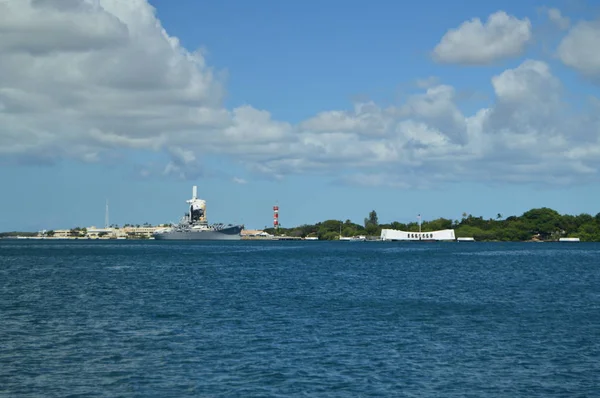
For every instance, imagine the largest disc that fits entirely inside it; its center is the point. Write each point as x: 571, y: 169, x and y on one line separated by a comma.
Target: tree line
x: 543, y: 224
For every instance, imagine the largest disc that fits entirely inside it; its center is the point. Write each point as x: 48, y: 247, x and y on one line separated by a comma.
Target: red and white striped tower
x: 276, y: 217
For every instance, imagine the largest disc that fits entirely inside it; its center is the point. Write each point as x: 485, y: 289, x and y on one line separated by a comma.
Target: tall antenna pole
x: 419, y: 217
x: 106, y: 216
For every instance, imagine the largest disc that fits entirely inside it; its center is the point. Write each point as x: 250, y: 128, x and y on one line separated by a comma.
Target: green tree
x: 548, y: 223
x: 372, y: 219
x: 542, y: 221
x: 372, y: 229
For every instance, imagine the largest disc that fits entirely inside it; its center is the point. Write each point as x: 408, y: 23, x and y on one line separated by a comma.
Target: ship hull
x: 232, y: 233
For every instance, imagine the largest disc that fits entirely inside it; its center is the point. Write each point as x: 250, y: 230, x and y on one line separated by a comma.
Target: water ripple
x: 280, y: 319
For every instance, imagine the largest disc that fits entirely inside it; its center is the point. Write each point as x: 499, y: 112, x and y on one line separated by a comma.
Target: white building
x: 466, y: 239
x: 255, y: 234
x: 94, y: 233
x: 397, y: 235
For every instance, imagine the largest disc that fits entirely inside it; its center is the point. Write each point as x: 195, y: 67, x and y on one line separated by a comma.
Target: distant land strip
x: 540, y: 224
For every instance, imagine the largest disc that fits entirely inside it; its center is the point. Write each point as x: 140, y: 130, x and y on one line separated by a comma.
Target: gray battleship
x: 194, y: 225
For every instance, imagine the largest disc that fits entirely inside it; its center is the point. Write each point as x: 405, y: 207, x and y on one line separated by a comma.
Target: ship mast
x: 106, y: 216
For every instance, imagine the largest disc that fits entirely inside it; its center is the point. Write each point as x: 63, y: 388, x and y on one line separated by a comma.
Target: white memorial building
x: 397, y: 235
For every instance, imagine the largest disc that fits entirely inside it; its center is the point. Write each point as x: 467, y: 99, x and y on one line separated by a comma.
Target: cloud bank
x: 86, y: 80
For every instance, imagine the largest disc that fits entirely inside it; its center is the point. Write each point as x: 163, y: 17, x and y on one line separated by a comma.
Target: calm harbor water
x: 282, y: 319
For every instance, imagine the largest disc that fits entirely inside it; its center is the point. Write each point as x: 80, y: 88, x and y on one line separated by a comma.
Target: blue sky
x: 329, y: 109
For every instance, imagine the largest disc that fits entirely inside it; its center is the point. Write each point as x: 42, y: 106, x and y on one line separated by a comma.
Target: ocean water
x: 287, y: 319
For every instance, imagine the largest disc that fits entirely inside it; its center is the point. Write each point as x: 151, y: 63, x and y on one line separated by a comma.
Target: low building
x: 61, y: 233
x: 256, y: 234
x: 145, y: 231
x: 358, y: 238
x: 98, y: 233
x: 94, y: 232
x: 569, y: 240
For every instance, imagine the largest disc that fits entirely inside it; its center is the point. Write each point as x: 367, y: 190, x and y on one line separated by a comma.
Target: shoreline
x: 290, y: 238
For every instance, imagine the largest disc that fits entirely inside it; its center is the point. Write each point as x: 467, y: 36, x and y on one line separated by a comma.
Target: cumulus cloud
x: 83, y: 78
x: 366, y: 118
x: 125, y: 84
x: 474, y: 43
x: 578, y: 48
x: 437, y: 107
x: 527, y: 135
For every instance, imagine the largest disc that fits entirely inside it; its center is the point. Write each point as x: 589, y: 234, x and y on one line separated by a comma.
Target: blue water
x: 282, y: 319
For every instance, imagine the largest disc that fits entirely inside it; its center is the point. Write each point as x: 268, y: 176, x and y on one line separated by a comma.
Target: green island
x: 540, y: 224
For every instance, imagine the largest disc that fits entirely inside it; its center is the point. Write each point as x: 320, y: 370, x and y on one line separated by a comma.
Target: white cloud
x: 125, y: 84
x: 82, y: 78
x: 531, y: 81
x: 578, y: 49
x: 558, y: 19
x: 366, y: 119
x: 238, y: 180
x: 66, y: 26
x: 528, y: 135
x: 474, y: 43
x: 438, y: 108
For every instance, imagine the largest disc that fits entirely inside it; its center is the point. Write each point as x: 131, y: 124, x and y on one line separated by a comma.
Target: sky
x: 329, y: 109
